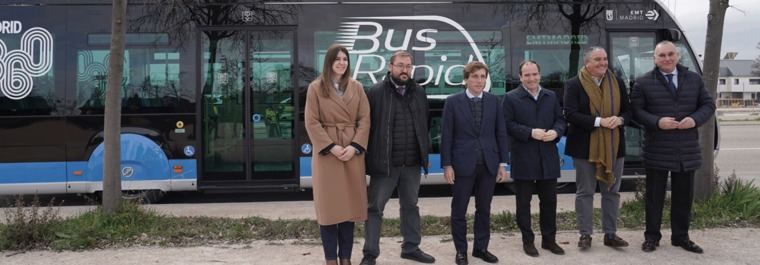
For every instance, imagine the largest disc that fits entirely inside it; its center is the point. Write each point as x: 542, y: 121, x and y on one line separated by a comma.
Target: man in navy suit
x: 473, y: 155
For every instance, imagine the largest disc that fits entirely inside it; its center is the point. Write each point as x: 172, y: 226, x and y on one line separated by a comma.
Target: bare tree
x: 179, y: 18
x: 579, y: 14
x: 704, y: 181
x: 112, y: 118
x: 756, y: 64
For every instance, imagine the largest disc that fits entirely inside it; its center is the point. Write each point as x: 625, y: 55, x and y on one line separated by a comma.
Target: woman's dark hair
x: 325, y: 78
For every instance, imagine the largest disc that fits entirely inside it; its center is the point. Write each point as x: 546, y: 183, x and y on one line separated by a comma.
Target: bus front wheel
x: 142, y: 196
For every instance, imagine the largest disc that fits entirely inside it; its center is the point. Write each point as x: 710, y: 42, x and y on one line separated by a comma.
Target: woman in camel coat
x: 337, y: 121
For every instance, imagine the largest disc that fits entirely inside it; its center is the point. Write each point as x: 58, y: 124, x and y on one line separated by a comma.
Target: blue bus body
x: 213, y: 94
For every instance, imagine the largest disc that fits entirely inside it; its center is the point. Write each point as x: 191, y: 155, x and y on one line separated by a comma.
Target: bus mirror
x: 671, y: 34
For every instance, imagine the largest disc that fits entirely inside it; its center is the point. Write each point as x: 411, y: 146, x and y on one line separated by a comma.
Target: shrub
x: 28, y: 226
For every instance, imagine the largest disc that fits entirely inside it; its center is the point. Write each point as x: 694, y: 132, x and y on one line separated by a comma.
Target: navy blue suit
x: 459, y: 149
x: 458, y: 136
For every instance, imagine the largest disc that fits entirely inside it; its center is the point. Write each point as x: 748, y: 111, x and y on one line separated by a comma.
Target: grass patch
x: 736, y: 203
x: 28, y: 227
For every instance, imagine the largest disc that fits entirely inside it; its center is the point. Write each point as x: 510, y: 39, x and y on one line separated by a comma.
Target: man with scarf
x: 396, y: 152
x: 596, y: 108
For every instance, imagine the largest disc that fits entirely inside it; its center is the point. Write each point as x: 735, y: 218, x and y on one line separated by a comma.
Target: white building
x: 737, y: 86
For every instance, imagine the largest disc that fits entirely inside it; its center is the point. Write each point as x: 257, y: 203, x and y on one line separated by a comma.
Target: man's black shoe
x: 461, y: 258
x: 530, y: 249
x: 688, y: 245
x: 485, y: 255
x: 553, y: 247
x: 368, y: 260
x: 650, y: 245
x: 418, y: 256
x: 612, y: 240
x: 585, y: 242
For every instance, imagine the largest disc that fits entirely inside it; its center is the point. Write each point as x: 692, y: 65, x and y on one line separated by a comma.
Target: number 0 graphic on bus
x: 17, y: 67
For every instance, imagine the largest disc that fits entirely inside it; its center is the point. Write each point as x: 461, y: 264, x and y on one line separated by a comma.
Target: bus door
x: 247, y: 112
x: 631, y: 54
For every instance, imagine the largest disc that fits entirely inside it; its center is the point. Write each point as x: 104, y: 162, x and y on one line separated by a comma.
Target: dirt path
x: 722, y: 246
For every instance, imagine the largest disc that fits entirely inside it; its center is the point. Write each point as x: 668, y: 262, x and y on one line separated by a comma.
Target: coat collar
x: 410, y: 85
x: 346, y: 98
x: 680, y: 68
x: 657, y: 75
x: 523, y: 92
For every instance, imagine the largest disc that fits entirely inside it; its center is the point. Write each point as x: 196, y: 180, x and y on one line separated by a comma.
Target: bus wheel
x: 142, y: 196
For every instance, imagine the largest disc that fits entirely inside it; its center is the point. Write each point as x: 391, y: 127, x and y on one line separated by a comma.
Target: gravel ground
x: 722, y: 246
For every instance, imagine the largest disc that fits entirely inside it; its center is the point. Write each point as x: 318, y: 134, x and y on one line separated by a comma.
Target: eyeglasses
x: 408, y: 66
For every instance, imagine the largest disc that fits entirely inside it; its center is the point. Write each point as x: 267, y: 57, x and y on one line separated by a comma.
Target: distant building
x: 737, y: 86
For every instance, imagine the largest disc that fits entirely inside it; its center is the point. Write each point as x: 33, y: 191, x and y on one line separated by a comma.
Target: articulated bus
x: 213, y: 91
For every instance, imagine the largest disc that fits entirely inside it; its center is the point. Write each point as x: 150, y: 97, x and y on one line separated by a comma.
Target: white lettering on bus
x: 10, y: 27
x: 372, y: 32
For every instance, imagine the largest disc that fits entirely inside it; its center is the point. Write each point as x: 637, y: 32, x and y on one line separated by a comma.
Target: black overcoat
x: 674, y: 150
x: 532, y: 159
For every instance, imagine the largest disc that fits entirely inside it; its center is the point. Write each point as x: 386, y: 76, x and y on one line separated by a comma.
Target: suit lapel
x: 464, y: 109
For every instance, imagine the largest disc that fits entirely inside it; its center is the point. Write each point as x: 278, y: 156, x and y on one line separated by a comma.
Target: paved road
x: 740, y: 151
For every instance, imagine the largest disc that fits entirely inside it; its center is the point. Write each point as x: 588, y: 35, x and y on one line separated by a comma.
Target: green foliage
x: 28, y: 226
x: 735, y: 204
x: 97, y: 229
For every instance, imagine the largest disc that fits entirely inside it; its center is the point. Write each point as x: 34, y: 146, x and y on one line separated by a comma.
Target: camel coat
x: 340, y: 188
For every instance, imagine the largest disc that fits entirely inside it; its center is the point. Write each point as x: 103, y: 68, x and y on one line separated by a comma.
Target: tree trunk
x: 112, y: 119
x: 575, y: 49
x: 704, y: 182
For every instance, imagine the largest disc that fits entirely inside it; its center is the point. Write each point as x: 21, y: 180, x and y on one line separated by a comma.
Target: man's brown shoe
x: 688, y: 245
x: 552, y: 247
x: 650, y: 245
x: 530, y: 249
x: 612, y: 240
x: 585, y: 242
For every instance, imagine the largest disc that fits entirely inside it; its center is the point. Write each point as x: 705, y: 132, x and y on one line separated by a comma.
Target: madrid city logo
x: 364, y: 36
x: 34, y: 58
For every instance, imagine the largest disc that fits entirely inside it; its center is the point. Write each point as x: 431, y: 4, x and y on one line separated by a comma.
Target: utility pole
x: 112, y: 118
x: 705, y: 176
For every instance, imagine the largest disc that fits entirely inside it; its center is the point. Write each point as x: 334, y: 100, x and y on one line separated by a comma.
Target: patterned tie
x: 401, y: 90
x: 476, y: 105
x: 671, y: 85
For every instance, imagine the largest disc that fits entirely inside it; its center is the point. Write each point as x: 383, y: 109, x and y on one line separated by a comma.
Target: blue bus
x: 213, y: 91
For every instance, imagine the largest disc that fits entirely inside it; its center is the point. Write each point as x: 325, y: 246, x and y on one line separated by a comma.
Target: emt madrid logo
x: 363, y: 36
x: 34, y: 58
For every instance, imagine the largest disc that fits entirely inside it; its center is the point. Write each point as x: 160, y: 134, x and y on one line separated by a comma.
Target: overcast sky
x: 741, y: 32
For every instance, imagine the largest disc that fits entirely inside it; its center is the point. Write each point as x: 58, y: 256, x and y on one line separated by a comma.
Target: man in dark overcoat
x: 535, y: 124
x: 671, y: 102
x: 399, y: 142
x: 596, y: 109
